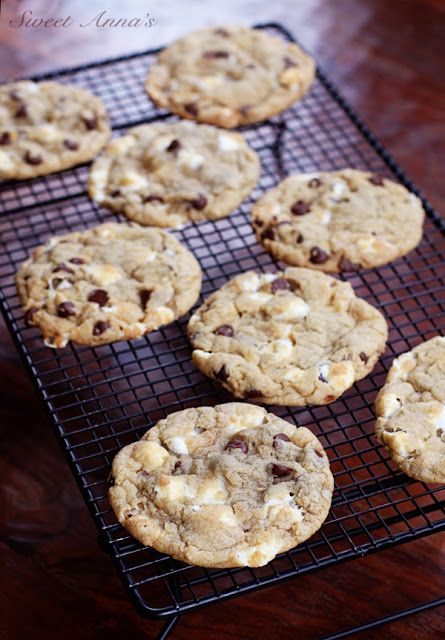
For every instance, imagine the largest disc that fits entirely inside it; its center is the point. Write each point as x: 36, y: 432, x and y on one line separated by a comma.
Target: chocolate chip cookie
x: 170, y: 174
x: 338, y: 221
x: 112, y: 282
x: 293, y: 338
x: 47, y: 127
x: 224, y: 486
x: 230, y: 76
x: 411, y: 411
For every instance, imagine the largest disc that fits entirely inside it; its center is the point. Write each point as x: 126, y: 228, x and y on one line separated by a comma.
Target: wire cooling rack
x: 100, y: 399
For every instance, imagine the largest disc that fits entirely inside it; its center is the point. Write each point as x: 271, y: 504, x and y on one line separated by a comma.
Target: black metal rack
x: 100, y: 399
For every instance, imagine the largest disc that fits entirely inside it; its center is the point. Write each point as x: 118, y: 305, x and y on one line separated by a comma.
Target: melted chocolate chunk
x: 254, y: 393
x: 76, y: 260
x: 91, y: 123
x: 62, y: 267
x: 33, y: 158
x: 238, y: 444
x: 145, y: 295
x: 319, y: 453
x: 258, y: 222
x: 347, y: 265
x: 5, y: 138
x: 299, y: 238
x: 300, y: 208
x: 199, y: 203
x: 22, y: 111
x: 279, y: 470
x: 177, y: 466
x: 116, y: 193
x: 29, y: 315
x: 318, y: 256
x: 363, y: 357
x: 100, y: 327
x: 222, y: 374
x: 153, y: 198
x: 70, y: 144
x: 214, y: 55
x: 192, y: 108
x: 99, y: 296
x: 222, y: 32
x: 66, y: 309
x: 376, y: 180
x: 268, y: 234
x: 280, y: 437
x: 244, y: 109
x: 224, y: 330
x: 315, y: 182
x: 174, y: 146
x: 280, y: 284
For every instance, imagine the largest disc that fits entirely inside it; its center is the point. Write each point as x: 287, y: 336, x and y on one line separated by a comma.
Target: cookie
x: 338, y: 221
x: 170, y: 174
x: 112, y: 282
x: 47, y: 127
x: 410, y: 411
x: 298, y: 337
x: 230, y: 76
x: 224, y: 486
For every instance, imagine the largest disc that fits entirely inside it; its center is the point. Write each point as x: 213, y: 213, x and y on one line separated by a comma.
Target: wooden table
x: 389, y: 60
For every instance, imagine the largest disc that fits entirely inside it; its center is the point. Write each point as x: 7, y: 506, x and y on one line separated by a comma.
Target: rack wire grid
x: 100, y: 399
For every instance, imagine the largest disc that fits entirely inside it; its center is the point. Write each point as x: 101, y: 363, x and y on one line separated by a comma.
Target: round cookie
x: 294, y: 338
x: 223, y: 486
x: 230, y: 76
x: 170, y: 174
x: 411, y: 411
x: 112, y: 282
x: 338, y: 221
x: 47, y: 127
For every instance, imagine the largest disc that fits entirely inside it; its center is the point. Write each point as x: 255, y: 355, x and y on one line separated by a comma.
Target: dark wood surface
x: 389, y: 60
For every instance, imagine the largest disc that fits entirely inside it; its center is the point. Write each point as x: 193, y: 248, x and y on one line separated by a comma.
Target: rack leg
x: 167, y: 629
x: 390, y: 618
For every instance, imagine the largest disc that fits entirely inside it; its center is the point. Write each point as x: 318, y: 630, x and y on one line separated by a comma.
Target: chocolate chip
x: 279, y: 470
x: 280, y: 437
x: 318, y: 453
x: 258, y: 222
x: 145, y: 295
x: 177, y: 465
x: 224, y: 330
x: 66, y: 309
x: 300, y: 208
x: 209, y: 55
x: 376, y: 180
x: 254, y: 393
x: 62, y: 267
x: 76, y: 260
x: 153, y: 198
x: 299, y: 238
x: 100, y: 296
x: 33, y: 158
x: 115, y: 193
x: 174, y: 146
x: 268, y: 234
x: 22, y: 111
x: 5, y: 138
x: 29, y: 315
x: 290, y: 62
x: 199, y: 203
x: 191, y: 108
x: 222, y: 374
x: 363, y: 357
x: 347, y: 265
x: 315, y: 182
x: 90, y: 123
x: 71, y: 145
x: 318, y: 256
x: 238, y: 444
x: 100, y: 327
x: 280, y: 284
x: 222, y: 32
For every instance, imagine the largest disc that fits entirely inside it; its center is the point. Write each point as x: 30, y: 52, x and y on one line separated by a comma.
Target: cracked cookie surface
x: 223, y: 486
x: 111, y: 282
x: 230, y: 76
x: 338, y: 221
x: 296, y: 337
x: 411, y: 411
x: 48, y: 126
x: 170, y: 174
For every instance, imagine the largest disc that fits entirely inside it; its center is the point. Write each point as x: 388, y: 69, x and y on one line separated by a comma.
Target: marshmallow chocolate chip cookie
x: 224, y: 486
x: 47, y: 127
x: 112, y: 282
x: 338, y: 221
x: 230, y: 76
x: 411, y: 411
x: 293, y: 338
x: 170, y: 174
